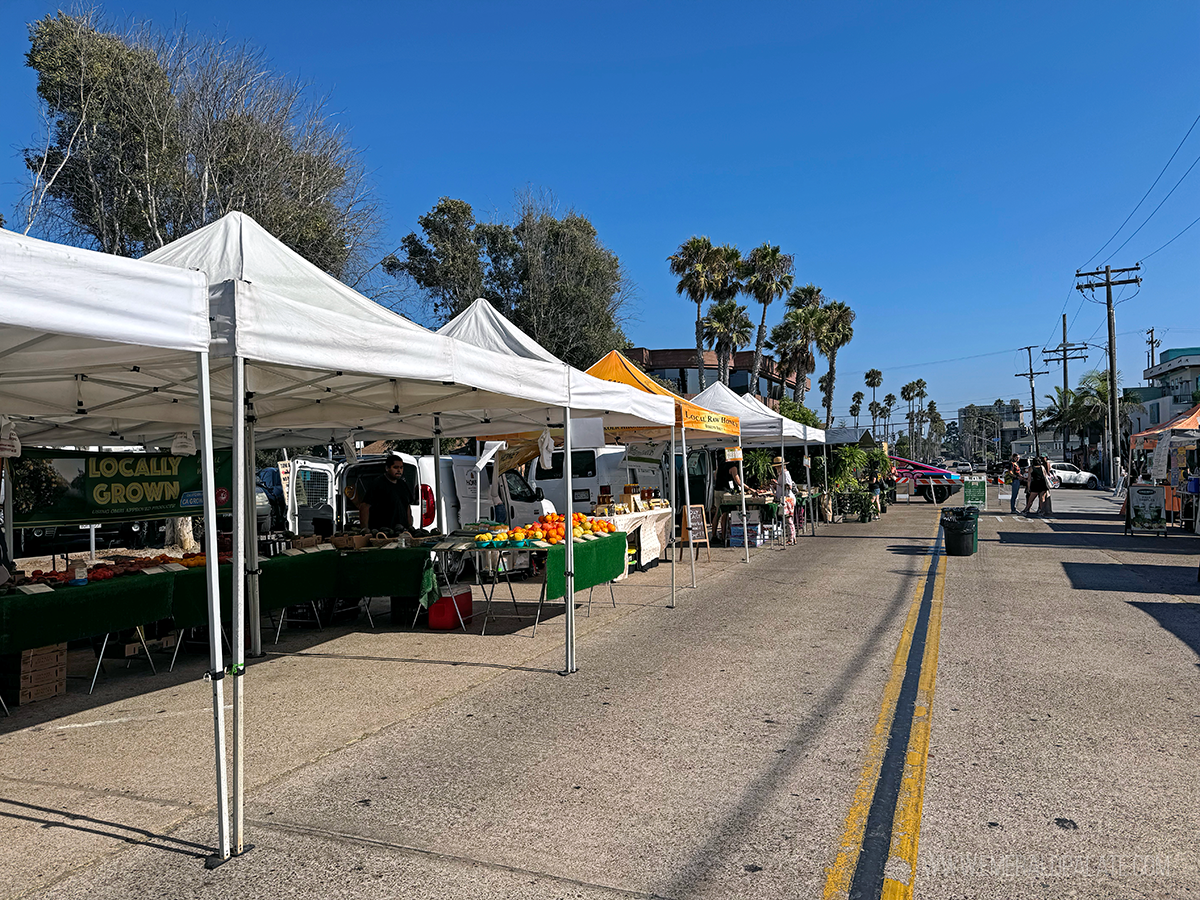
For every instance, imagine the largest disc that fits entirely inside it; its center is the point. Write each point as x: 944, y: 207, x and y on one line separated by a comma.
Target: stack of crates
x: 33, y: 675
x: 751, y: 530
x: 740, y: 535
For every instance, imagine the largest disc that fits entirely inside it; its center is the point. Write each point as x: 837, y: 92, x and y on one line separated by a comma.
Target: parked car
x: 965, y: 468
x: 1069, y: 474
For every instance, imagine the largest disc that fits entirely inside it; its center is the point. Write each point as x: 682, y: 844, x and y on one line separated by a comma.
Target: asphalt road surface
x: 856, y: 716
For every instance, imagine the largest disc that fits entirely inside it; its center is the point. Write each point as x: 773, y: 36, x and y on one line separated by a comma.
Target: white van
x: 510, y: 500
x: 613, y: 466
x: 315, y: 489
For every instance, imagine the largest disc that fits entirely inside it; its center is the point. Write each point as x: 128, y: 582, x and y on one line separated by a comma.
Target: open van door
x: 309, y: 486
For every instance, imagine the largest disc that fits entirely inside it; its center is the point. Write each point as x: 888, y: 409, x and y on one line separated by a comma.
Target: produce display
x: 549, y: 529
x: 104, y: 571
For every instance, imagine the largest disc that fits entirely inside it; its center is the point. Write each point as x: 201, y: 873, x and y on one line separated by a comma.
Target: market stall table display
x: 646, y: 531
x: 71, y: 613
x: 598, y: 561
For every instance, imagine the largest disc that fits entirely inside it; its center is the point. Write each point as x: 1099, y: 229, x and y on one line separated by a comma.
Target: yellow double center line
x: 877, y: 857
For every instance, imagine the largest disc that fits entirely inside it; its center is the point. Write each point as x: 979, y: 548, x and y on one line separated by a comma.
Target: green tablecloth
x: 189, y: 600
x: 596, y: 562
x: 403, y: 572
x: 288, y: 580
x: 72, y: 613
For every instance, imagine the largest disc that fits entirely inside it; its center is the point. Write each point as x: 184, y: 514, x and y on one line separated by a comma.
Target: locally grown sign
x: 65, y: 487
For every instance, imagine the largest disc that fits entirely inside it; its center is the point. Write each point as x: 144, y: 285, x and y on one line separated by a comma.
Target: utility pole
x: 1037, y: 451
x: 1113, y: 411
x: 1154, y: 345
x: 1062, y: 353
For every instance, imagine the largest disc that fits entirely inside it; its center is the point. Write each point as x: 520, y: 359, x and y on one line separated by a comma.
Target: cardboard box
x: 752, y: 517
x: 33, y: 675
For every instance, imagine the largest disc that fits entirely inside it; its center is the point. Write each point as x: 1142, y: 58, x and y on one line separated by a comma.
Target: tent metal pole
x: 826, y: 475
x: 437, y: 476
x: 9, y: 528
x: 569, y: 549
x: 742, y: 478
x: 782, y: 470
x: 216, y: 669
x: 252, y: 596
x: 674, y: 509
x: 808, y: 500
x: 237, y: 653
x: 687, y: 503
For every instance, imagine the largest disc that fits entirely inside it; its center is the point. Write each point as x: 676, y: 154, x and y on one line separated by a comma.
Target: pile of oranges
x: 552, y: 528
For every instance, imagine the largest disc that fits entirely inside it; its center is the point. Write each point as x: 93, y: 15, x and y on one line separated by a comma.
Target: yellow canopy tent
x: 688, y: 416
x: 702, y: 423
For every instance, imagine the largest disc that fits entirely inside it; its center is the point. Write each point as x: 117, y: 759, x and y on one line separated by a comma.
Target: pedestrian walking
x: 1014, y: 472
x: 1037, y: 484
x: 1044, y: 504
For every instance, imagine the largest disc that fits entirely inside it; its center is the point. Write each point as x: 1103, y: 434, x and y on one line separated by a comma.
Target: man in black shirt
x: 388, y: 503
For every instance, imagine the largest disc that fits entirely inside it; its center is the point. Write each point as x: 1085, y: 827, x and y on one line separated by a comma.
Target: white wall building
x: 1176, y: 377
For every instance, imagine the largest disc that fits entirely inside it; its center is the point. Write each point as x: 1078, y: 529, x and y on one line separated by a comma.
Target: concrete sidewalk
x: 698, y: 750
x: 711, y: 751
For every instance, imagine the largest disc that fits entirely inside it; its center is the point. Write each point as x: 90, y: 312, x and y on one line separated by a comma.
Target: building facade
x: 678, y: 367
x: 1174, y: 381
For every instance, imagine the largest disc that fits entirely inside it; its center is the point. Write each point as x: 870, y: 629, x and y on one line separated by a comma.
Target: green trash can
x: 960, y: 525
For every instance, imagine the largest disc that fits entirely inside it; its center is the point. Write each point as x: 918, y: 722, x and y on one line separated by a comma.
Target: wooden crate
x: 42, y: 692
x: 36, y: 678
x: 33, y: 675
x: 29, y: 660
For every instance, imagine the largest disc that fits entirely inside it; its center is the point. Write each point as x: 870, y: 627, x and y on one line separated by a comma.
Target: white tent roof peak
x: 483, y: 325
x: 760, y: 424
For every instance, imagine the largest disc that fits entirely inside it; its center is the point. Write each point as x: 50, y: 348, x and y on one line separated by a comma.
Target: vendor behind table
x: 388, y: 503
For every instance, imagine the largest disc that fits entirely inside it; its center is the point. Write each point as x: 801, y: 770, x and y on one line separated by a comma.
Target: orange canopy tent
x: 701, y: 423
x: 1148, y: 439
x: 688, y: 416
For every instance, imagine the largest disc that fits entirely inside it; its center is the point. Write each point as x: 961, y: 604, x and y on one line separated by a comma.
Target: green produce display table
x: 403, y: 572
x: 189, y: 601
x: 596, y: 562
x: 288, y: 580
x: 73, y: 613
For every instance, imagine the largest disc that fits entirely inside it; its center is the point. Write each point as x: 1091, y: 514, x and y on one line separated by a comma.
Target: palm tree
x: 907, y: 394
x: 805, y: 297
x: 919, y: 393
x: 1068, y: 410
x: 873, y: 379
x: 837, y: 330
x: 691, y: 265
x: 728, y: 329
x: 767, y: 275
x: 889, y: 403
x: 793, y: 339
x: 875, y: 408
x: 856, y: 406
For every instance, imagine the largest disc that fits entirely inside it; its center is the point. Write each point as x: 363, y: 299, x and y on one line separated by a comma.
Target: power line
x: 1172, y: 240
x: 1156, y: 209
x: 1145, y: 195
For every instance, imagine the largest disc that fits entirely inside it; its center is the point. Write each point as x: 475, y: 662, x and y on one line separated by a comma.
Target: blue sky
x: 942, y: 168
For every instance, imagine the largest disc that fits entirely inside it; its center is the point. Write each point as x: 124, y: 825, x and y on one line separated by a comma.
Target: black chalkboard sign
x: 695, y: 525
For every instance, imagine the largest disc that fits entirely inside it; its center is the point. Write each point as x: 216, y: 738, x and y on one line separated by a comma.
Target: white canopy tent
x: 86, y: 338
x: 761, y: 427
x: 619, y: 405
x: 310, y: 359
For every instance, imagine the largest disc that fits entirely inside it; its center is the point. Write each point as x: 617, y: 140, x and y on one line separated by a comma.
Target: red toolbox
x: 442, y: 614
